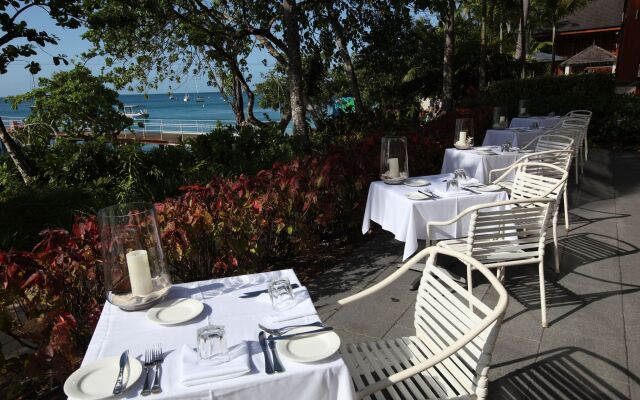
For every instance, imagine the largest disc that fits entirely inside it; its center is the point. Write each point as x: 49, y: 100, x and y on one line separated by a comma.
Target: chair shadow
x: 561, y: 374
x: 577, y: 221
x: 584, y: 248
x: 575, y: 251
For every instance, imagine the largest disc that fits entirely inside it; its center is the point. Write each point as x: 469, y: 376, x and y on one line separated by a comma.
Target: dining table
x: 542, y: 121
x: 390, y: 206
x: 477, y: 163
x: 234, y: 303
x: 518, y: 137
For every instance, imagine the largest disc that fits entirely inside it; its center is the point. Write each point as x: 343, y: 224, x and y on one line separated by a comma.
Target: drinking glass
x: 212, y: 344
x: 506, y: 146
x: 453, y: 185
x: 460, y: 174
x: 281, y: 294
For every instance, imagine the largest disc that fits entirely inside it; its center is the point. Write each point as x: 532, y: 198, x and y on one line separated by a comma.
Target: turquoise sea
x: 160, y: 106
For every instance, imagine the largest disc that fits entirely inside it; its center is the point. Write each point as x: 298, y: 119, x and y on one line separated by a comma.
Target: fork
x: 148, y: 364
x: 157, y: 359
x: 285, y: 329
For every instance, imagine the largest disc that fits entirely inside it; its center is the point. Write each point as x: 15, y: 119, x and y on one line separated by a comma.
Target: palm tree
x: 557, y: 9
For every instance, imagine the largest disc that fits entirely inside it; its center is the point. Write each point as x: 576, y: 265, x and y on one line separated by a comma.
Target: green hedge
x: 616, y: 118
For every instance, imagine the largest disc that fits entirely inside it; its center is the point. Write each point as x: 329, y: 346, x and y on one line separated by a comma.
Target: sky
x: 18, y: 80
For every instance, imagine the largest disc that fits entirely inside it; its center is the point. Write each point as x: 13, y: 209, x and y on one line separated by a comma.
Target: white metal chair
x: 577, y: 134
x: 503, y: 234
x: 539, y: 179
x: 549, y: 142
x: 586, y: 114
x: 450, y: 353
x: 559, y: 158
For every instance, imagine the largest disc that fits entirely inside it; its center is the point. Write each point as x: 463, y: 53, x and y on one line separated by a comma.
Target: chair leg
x: 586, y: 148
x: 555, y: 240
x: 543, y: 300
x: 577, y: 167
x: 566, y: 211
x: 469, y: 284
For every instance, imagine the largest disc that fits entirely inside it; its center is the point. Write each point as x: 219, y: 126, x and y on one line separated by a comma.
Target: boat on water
x: 199, y: 99
x: 186, y: 97
x: 135, y: 111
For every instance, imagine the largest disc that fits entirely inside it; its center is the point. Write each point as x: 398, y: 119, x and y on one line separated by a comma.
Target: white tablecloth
x: 407, y: 219
x: 118, y: 330
x: 518, y: 136
x: 543, y: 122
x: 477, y: 165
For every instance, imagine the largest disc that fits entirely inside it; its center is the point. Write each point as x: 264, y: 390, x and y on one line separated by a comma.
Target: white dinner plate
x: 96, y: 380
x: 488, y: 188
x: 310, y: 348
x: 416, y: 182
x: 175, y: 311
x: 417, y: 196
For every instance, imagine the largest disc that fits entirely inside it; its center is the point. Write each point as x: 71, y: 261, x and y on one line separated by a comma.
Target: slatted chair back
x: 537, y: 179
x: 512, y: 236
x: 450, y: 354
x: 573, y: 132
x: 443, y: 317
x: 559, y: 158
x: 580, y: 113
x: 549, y: 142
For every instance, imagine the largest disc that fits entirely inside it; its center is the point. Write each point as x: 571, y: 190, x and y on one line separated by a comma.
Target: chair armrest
x: 449, y: 222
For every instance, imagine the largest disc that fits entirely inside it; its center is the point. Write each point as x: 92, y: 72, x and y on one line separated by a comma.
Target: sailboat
x: 170, y: 95
x: 186, y: 97
x: 199, y: 99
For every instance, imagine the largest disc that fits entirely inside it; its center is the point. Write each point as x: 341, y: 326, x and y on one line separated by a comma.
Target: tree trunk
x: 522, y: 38
x: 482, y: 73
x: 347, y: 63
x: 553, y: 46
x: 238, y: 102
x: 448, y: 21
x: 296, y: 87
x: 16, y: 154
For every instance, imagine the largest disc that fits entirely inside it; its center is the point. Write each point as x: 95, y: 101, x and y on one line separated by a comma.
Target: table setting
x: 478, y: 162
x: 405, y: 210
x: 249, y: 336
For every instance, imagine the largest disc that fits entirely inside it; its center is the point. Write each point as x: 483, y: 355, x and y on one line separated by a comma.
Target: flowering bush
x: 51, y: 297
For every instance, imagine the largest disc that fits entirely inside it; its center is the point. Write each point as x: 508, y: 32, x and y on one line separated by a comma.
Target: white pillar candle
x: 394, y: 168
x: 139, y: 272
x: 523, y: 111
x: 462, y: 138
x: 503, y: 119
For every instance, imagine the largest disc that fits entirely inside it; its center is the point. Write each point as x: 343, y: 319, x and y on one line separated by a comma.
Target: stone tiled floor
x: 591, y: 349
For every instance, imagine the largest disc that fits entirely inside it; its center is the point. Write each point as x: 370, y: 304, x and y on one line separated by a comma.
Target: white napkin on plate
x: 195, y: 372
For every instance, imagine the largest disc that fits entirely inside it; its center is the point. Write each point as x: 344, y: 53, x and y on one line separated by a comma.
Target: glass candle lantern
x: 463, y: 138
x: 523, y: 108
x: 394, y: 161
x: 500, y: 118
x: 135, y: 270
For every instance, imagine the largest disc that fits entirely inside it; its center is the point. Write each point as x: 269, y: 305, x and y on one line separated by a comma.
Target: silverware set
x: 153, y: 359
x: 429, y: 194
x: 272, y: 363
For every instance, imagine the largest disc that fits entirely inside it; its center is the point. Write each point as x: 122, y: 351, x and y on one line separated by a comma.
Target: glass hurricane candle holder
x: 500, y: 118
x: 463, y: 138
x: 523, y: 108
x: 135, y: 269
x: 394, y: 161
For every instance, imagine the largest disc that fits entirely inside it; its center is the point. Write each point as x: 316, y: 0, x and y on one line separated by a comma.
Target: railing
x: 147, y: 126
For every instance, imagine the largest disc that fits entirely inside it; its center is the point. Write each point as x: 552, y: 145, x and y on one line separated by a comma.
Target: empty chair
x: 580, y: 123
x: 577, y: 134
x: 504, y: 234
x: 539, y: 179
x: 586, y: 114
x: 559, y: 158
x: 449, y: 355
x: 549, y: 142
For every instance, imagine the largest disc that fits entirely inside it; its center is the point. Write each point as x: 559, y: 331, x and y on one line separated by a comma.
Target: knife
x: 289, y: 336
x: 276, y: 360
x: 267, y: 358
x: 124, y: 360
x: 470, y: 190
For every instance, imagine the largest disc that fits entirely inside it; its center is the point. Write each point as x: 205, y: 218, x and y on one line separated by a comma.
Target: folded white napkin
x: 195, y: 372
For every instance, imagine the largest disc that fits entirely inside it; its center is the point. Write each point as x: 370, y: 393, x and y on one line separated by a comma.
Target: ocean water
x: 160, y: 106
